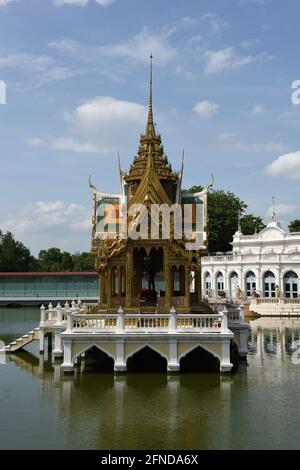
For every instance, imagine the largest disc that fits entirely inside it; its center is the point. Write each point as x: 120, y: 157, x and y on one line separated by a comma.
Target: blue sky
x: 77, y: 82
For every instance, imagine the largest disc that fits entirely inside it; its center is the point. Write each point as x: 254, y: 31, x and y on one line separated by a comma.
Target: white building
x: 266, y: 265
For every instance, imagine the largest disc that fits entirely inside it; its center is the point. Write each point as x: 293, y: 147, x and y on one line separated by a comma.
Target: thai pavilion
x: 140, y: 273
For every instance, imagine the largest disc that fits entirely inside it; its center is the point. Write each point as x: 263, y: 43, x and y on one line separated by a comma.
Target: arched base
x: 97, y: 361
x: 199, y: 360
x: 146, y: 360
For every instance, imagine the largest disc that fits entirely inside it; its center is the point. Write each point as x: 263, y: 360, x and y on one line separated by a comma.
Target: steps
x: 23, y: 341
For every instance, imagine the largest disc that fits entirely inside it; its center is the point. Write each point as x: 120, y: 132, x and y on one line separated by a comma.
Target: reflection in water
x: 155, y: 410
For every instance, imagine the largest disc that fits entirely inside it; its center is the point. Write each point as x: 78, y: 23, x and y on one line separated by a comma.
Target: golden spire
x: 150, y: 130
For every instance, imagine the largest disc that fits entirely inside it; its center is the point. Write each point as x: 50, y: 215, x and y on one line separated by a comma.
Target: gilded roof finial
x: 150, y: 130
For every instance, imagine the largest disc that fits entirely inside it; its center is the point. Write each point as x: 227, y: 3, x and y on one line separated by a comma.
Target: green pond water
x: 256, y: 408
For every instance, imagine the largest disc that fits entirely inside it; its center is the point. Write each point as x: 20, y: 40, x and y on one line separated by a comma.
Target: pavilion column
x: 198, y: 282
x: 120, y: 282
x: 129, y: 275
x: 109, y: 286
x: 102, y: 287
x: 187, y: 287
x: 181, y: 281
x: 167, y: 275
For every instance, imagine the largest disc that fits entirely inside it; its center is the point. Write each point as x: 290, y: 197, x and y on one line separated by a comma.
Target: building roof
x: 19, y: 274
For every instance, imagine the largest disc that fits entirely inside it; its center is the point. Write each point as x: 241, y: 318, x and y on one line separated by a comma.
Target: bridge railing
x: 134, y: 323
x: 74, y: 318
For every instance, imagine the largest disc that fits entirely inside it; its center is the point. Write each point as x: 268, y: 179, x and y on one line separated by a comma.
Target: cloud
x: 287, y: 165
x: 3, y: 3
x: 53, y: 223
x: 257, y: 109
x: 282, y: 209
x: 40, y: 216
x: 237, y: 144
x: 81, y: 3
x: 39, y: 69
x: 206, y: 109
x: 99, y: 125
x: 136, y: 49
x: 229, y: 59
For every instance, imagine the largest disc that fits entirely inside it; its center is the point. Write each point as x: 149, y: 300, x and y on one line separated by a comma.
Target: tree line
x: 225, y: 212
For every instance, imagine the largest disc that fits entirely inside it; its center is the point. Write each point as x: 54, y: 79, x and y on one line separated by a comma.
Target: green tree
x: 14, y: 256
x: 83, y: 262
x: 251, y: 224
x: 53, y: 260
x: 223, y: 210
x: 294, y: 226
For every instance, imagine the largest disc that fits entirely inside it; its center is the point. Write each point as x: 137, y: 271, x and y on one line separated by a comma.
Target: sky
x: 76, y: 75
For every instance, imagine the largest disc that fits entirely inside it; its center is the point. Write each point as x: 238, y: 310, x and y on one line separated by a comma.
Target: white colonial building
x: 265, y: 265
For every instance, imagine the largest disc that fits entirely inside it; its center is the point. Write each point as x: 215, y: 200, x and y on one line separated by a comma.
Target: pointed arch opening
x: 97, y: 360
x: 199, y: 360
x: 146, y: 360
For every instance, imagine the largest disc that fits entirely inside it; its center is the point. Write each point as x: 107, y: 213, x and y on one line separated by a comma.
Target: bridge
x: 36, y: 288
x: 121, y: 336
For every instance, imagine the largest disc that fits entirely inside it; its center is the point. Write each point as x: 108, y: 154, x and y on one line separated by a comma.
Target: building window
x: 220, y: 284
x: 269, y: 285
x: 208, y: 284
x: 291, y: 285
x: 234, y: 282
x: 250, y: 284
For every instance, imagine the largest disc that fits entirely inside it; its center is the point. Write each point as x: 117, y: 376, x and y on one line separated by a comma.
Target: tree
x: 294, y: 226
x: 83, y: 262
x: 223, y: 210
x: 251, y: 224
x: 53, y: 260
x: 14, y: 256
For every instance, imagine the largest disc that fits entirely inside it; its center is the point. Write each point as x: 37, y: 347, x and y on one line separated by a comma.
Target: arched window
x: 250, y: 283
x: 220, y: 283
x: 291, y: 285
x: 208, y: 284
x: 234, y: 281
x: 269, y: 284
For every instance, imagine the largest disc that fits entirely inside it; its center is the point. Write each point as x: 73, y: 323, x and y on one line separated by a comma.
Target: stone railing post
x: 120, y: 321
x: 58, y: 314
x: 50, y: 312
x: 242, y: 313
x: 43, y: 315
x: 225, y: 320
x: 69, y: 321
x: 173, y: 320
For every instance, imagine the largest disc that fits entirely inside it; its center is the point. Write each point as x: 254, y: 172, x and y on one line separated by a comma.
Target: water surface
x: 258, y: 407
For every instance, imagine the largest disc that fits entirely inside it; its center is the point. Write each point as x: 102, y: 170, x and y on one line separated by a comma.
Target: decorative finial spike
x: 150, y: 131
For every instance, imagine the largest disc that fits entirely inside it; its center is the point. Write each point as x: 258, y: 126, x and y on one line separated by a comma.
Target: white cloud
x: 99, y: 125
x: 258, y: 109
x: 40, y: 216
x: 206, y: 109
x: 3, y: 3
x: 237, y: 144
x: 55, y: 223
x: 81, y: 3
x: 136, y: 49
x: 282, y: 209
x: 229, y: 59
x: 38, y: 69
x: 70, y: 144
x: 286, y: 165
